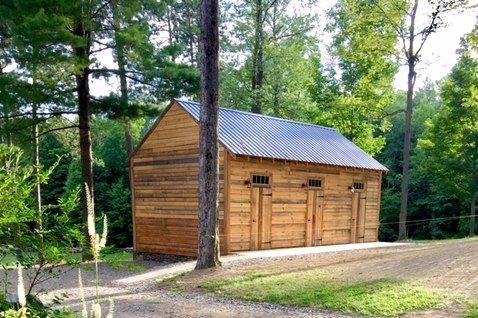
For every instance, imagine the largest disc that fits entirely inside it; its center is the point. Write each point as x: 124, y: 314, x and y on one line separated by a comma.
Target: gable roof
x: 249, y: 134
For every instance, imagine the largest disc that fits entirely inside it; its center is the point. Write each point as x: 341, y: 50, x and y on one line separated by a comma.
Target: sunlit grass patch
x: 171, y: 278
x: 313, y: 289
x: 472, y: 311
x: 122, y: 260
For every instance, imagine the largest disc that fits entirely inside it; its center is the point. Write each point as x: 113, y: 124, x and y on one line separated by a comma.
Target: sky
x: 439, y: 52
x: 438, y: 55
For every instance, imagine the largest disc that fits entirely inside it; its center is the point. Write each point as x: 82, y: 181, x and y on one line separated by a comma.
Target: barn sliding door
x: 314, y: 217
x: 261, y: 217
x: 357, y: 230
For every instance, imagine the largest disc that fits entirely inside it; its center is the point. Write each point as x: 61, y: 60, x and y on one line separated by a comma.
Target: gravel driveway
x: 146, y: 298
x: 450, y: 265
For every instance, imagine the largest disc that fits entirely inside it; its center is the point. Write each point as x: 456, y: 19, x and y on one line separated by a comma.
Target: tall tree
x: 451, y: 139
x: 74, y: 34
x: 182, y: 27
x: 364, y: 49
x: 277, y: 44
x: 208, y: 248
x: 119, y: 51
x: 413, y: 39
x: 259, y: 11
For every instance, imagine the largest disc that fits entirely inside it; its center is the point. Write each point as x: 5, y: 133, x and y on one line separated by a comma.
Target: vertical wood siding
x: 290, y: 225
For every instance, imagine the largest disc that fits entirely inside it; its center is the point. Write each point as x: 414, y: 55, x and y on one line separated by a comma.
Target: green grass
x: 472, y: 311
x: 121, y: 260
x: 313, y: 289
x: 171, y: 278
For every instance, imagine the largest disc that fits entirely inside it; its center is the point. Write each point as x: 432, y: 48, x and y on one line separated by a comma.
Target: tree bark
x: 208, y: 248
x: 170, y: 31
x: 84, y: 114
x: 411, y: 60
x: 473, y: 214
x: 191, y: 37
x: 120, y: 59
x: 36, y: 149
x: 258, y: 58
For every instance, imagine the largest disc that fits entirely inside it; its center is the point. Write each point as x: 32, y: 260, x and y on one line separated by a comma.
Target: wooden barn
x: 282, y: 184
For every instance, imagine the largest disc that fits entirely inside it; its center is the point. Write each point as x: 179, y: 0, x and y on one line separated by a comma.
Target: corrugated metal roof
x: 249, y: 134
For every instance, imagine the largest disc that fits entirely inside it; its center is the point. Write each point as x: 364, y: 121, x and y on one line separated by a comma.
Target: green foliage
x: 38, y: 241
x: 312, y: 288
x: 423, y: 202
x: 19, y: 230
x: 444, y: 162
x: 119, y: 212
x: 450, y: 141
x: 16, y: 187
x: 288, y: 68
x: 35, y: 309
x: 364, y: 46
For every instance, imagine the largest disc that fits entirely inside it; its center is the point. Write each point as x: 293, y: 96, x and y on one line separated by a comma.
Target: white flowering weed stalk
x: 97, y: 243
x: 22, y: 299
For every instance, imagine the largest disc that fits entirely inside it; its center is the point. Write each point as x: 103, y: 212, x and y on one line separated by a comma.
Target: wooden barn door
x: 357, y: 230
x: 314, y: 217
x: 261, y: 217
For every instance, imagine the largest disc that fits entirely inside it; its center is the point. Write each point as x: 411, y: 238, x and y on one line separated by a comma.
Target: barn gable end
x: 165, y: 170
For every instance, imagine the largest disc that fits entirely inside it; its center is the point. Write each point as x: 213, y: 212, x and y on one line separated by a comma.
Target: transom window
x: 260, y: 180
x: 359, y: 185
x: 315, y: 183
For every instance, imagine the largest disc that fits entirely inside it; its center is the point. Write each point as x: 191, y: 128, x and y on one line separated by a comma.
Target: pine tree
x: 208, y: 250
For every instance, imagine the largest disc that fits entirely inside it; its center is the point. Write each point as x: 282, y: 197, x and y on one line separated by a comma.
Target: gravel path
x: 449, y: 265
x: 147, y: 299
x: 254, y: 256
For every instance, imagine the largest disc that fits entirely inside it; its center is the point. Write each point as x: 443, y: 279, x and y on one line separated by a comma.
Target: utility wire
x: 431, y: 219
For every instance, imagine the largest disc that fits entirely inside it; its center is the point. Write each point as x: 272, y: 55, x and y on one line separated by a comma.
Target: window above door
x: 315, y: 183
x: 359, y: 186
x: 260, y: 180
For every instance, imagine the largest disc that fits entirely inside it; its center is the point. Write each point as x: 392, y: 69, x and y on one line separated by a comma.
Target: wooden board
x: 361, y: 218
x: 165, y: 182
x: 265, y: 218
x: 261, y: 217
x: 293, y: 204
x: 311, y: 210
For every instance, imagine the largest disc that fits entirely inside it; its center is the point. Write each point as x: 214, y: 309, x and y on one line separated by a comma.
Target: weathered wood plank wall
x: 290, y: 225
x: 165, y: 173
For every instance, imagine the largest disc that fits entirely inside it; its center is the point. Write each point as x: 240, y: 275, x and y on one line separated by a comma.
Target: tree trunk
x: 258, y: 58
x: 36, y: 148
x: 191, y: 38
x: 473, y: 214
x: 170, y: 31
x: 86, y: 153
x: 208, y: 248
x: 411, y: 59
x: 120, y: 59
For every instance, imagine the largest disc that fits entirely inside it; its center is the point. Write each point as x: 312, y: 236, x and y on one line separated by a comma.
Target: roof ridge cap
x: 265, y: 116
